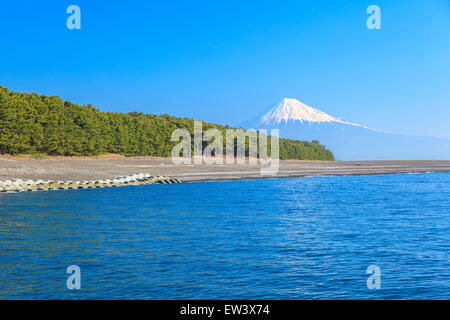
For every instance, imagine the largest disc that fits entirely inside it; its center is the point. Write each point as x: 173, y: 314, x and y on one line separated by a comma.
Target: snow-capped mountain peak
x: 347, y: 140
x: 294, y: 110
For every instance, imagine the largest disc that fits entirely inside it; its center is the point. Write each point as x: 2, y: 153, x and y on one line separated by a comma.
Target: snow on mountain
x: 293, y: 110
x: 347, y: 140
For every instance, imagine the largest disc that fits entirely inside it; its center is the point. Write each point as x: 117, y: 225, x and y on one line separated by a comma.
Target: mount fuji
x: 347, y: 140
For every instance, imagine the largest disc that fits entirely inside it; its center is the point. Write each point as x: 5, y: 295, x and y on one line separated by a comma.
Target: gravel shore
x: 109, y: 166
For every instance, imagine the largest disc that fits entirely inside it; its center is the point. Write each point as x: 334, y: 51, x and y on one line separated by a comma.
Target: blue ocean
x: 299, y: 238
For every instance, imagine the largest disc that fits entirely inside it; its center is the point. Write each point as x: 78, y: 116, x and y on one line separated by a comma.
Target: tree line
x: 32, y: 123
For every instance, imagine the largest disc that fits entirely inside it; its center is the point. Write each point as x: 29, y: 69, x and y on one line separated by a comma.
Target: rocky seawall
x: 19, y: 185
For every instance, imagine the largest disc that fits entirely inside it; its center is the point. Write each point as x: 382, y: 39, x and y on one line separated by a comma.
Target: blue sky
x: 226, y: 61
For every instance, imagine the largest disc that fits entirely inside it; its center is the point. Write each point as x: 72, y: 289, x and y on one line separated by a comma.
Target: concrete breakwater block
x: 21, y: 185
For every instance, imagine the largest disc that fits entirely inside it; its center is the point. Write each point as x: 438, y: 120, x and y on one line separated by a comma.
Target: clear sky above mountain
x: 226, y: 61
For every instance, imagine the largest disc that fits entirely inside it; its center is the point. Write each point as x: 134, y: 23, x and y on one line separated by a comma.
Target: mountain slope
x: 347, y: 140
x: 31, y: 123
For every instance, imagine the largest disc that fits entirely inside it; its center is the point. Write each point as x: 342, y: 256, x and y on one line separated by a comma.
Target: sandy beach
x: 109, y: 166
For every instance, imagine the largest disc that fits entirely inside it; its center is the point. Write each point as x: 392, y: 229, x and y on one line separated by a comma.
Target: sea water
x: 300, y: 238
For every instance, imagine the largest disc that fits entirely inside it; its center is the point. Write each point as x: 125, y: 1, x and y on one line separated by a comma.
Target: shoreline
x: 110, y: 166
x: 309, y: 176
